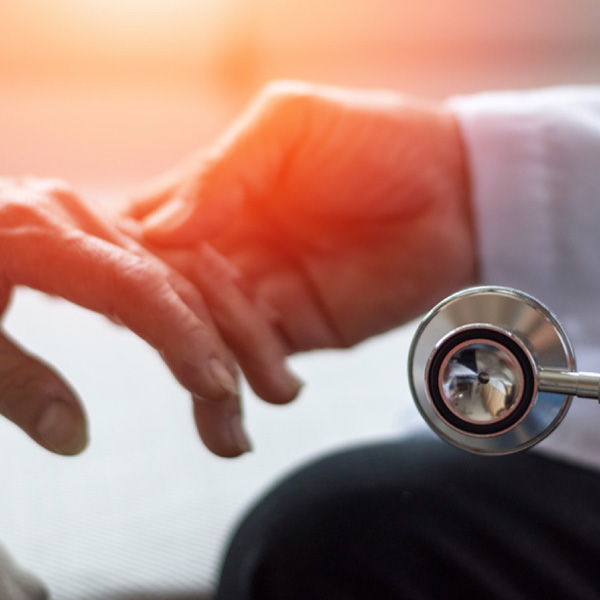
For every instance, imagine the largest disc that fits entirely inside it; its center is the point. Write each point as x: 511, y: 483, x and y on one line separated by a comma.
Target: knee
x: 303, y: 537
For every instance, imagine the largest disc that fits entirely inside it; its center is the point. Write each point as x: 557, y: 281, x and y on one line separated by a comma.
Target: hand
x: 345, y: 211
x: 51, y: 241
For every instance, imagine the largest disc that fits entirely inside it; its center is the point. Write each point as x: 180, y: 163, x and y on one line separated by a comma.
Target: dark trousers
x: 418, y: 519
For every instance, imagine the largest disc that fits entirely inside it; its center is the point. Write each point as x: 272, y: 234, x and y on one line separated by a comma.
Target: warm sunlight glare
x: 73, y: 30
x: 139, y: 14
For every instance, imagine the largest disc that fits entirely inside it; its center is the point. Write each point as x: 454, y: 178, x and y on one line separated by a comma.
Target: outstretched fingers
x: 253, y: 337
x: 143, y: 295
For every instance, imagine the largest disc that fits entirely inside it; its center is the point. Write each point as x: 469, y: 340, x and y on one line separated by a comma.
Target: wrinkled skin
x: 50, y: 240
x: 323, y: 216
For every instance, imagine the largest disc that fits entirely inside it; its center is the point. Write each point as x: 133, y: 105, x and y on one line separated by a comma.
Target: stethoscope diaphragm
x: 492, y: 371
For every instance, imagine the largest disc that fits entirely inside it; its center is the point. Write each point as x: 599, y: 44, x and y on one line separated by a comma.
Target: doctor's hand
x: 51, y: 241
x: 346, y: 212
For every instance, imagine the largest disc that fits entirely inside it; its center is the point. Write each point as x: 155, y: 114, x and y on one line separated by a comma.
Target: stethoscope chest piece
x: 479, y: 365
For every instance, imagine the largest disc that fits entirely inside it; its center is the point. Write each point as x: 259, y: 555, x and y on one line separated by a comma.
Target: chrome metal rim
x: 530, y: 325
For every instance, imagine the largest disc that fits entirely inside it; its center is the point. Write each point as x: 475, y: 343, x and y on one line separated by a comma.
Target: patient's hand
x: 346, y: 212
x: 51, y: 241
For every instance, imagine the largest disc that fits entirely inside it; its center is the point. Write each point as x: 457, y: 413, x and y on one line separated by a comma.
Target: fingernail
x: 62, y: 428
x: 222, y: 377
x: 288, y: 385
x: 295, y: 384
x: 238, y: 435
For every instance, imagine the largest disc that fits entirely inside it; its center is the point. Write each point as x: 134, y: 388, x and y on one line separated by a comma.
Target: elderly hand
x: 346, y: 212
x: 51, y: 241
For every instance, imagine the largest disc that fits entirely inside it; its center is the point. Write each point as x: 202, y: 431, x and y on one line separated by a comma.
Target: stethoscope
x: 492, y: 371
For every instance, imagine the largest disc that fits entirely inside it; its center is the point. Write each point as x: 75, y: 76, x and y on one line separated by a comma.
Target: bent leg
x: 418, y: 519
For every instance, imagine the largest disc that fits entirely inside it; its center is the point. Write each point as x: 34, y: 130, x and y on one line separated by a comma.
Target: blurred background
x: 106, y: 93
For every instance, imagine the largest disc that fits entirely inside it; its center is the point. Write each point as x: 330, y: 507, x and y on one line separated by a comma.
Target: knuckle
x: 137, y: 282
x: 31, y: 202
x: 283, y: 108
x: 284, y: 88
x: 48, y: 186
x: 21, y: 210
x: 283, y: 97
x: 62, y: 191
x: 206, y: 174
x: 133, y: 277
x: 141, y: 296
x: 57, y: 197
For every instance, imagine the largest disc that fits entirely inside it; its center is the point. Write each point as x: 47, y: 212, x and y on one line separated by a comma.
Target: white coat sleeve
x: 534, y: 164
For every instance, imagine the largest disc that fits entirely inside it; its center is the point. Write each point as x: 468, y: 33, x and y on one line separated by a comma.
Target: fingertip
x: 169, y: 222
x: 220, y: 426
x: 238, y: 433
x: 248, y: 328
x: 61, y: 428
x: 288, y: 387
x: 206, y: 378
x: 222, y: 377
x: 40, y: 402
x: 200, y: 210
x: 273, y: 382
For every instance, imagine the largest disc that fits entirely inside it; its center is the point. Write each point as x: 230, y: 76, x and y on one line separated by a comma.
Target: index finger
x: 142, y: 294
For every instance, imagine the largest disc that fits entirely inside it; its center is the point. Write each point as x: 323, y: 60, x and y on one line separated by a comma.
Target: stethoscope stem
x: 571, y: 383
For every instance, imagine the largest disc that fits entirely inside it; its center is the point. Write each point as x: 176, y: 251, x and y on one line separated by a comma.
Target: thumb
x: 38, y: 401
x: 241, y: 169
x: 197, y: 211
